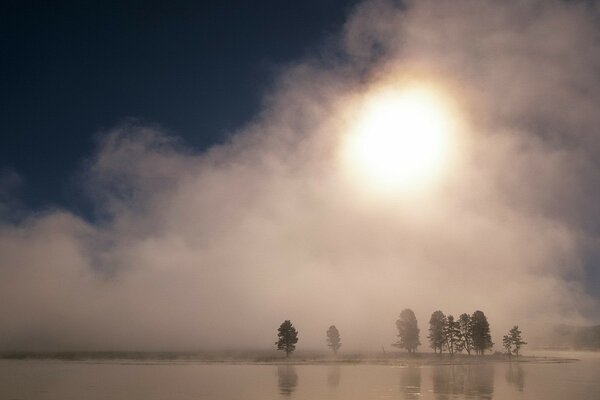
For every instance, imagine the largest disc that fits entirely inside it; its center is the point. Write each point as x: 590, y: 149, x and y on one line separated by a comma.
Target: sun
x: 401, y: 138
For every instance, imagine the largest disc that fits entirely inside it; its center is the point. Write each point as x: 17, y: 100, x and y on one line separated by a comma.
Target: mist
x: 214, y: 249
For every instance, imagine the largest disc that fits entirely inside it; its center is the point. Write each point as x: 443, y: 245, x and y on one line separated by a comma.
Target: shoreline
x: 395, y: 360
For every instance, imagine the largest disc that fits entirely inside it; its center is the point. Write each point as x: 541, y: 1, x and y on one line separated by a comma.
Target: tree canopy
x: 513, y: 341
x: 482, y: 339
x: 452, y: 337
x: 333, y: 339
x: 436, y: 331
x: 408, y: 331
x: 288, y: 337
x: 465, y: 326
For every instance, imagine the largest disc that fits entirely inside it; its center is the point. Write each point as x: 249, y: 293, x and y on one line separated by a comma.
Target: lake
x: 65, y: 380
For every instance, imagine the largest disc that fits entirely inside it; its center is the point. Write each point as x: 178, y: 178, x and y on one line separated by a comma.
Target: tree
x: 452, y: 335
x: 507, y: 344
x: 288, y: 337
x: 408, y: 331
x: 333, y: 339
x: 480, y: 331
x: 436, y: 331
x: 465, y: 327
x: 515, y: 339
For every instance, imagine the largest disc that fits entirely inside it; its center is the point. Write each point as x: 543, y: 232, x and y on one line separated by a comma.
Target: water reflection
x: 288, y: 379
x: 515, y: 376
x: 410, y: 382
x: 481, y: 381
x: 462, y: 381
x: 441, y: 382
x: 334, y: 375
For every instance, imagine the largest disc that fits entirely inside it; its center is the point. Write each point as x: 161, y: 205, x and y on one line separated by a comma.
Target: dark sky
x: 70, y: 69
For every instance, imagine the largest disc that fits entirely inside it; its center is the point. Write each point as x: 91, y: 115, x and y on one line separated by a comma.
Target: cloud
x: 214, y: 250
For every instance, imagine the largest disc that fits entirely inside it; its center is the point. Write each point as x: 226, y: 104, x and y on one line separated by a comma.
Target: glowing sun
x: 401, y: 138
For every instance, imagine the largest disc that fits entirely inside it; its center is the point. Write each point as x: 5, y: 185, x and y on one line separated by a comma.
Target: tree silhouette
x: 480, y: 328
x: 436, y: 331
x: 288, y: 337
x: 333, y: 339
x: 507, y: 344
x: 408, y: 331
x: 452, y: 335
x: 514, y: 339
x: 465, y: 327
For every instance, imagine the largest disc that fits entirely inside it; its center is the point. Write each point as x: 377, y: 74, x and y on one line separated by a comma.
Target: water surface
x: 64, y: 380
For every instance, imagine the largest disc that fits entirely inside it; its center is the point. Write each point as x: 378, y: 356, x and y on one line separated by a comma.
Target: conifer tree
x: 516, y: 339
x: 333, y: 339
x: 288, y: 337
x: 451, y: 335
x: 466, y: 332
x: 507, y: 344
x: 436, y: 331
x: 480, y: 328
x: 408, y: 331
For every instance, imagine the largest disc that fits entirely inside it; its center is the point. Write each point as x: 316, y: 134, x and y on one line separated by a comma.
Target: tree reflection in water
x: 441, y: 382
x: 516, y: 376
x: 472, y: 381
x: 410, y: 382
x: 334, y: 375
x: 288, y: 379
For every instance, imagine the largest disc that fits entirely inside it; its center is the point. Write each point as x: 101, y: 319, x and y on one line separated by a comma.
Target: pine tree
x: 288, y: 337
x: 516, y: 340
x: 436, y: 331
x: 333, y: 339
x: 480, y: 328
x: 451, y: 335
x: 408, y: 331
x: 507, y: 343
x: 466, y: 332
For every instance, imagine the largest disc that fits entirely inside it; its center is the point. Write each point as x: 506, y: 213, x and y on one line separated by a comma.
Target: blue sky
x: 72, y: 69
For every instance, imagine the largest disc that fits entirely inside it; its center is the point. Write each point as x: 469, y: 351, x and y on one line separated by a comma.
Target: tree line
x: 469, y: 333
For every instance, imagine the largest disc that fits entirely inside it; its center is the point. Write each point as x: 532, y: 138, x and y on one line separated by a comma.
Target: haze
x: 214, y: 250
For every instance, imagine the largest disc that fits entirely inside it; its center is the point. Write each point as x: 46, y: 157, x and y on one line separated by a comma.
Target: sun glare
x: 401, y: 138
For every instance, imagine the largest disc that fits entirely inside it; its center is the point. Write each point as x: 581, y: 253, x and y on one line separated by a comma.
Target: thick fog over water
x: 215, y: 249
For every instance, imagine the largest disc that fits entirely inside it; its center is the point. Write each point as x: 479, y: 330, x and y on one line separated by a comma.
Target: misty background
x: 214, y: 249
